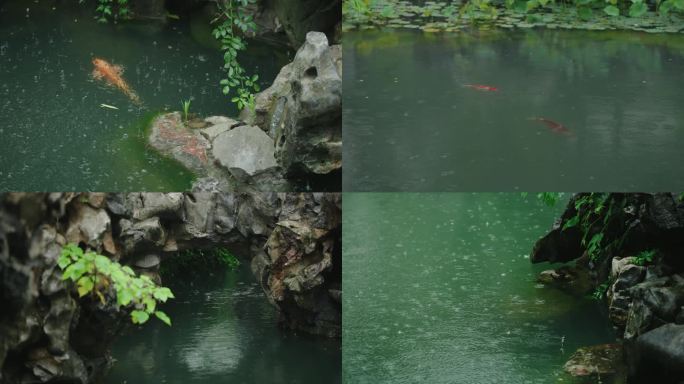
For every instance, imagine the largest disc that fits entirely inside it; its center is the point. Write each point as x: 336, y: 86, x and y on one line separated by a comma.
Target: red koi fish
x: 481, y: 87
x: 111, y: 74
x: 553, y: 126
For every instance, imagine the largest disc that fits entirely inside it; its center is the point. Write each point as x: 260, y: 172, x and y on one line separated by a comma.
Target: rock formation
x: 302, y: 110
x: 638, y: 262
x: 292, y: 140
x: 293, y: 240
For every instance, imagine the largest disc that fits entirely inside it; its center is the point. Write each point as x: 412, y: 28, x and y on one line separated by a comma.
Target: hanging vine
x: 233, y: 22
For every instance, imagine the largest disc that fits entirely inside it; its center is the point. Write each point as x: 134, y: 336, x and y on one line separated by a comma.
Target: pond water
x: 54, y: 133
x: 224, y: 331
x: 439, y: 289
x: 410, y: 123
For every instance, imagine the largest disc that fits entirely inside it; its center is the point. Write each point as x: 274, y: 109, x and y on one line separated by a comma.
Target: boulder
x: 601, y: 360
x: 147, y: 261
x: 628, y: 276
x: 302, y: 110
x: 88, y: 225
x: 245, y: 147
x: 173, y: 139
x: 571, y: 279
x: 618, y: 264
x: 639, y: 320
x: 660, y: 353
x: 310, y: 138
x: 143, y: 205
x: 143, y: 235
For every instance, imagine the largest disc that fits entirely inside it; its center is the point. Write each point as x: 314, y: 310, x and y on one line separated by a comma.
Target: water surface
x: 439, y: 289
x: 410, y: 124
x: 224, y: 331
x: 54, y: 134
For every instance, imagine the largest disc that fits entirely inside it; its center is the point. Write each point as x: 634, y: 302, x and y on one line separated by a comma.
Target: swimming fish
x: 112, y: 75
x: 554, y: 126
x: 480, y: 87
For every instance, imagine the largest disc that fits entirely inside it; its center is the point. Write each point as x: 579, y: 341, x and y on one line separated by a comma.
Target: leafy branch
x: 94, y: 274
x: 108, y: 9
x: 231, y: 18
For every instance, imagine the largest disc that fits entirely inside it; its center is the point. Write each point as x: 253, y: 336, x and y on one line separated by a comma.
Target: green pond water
x: 439, y: 289
x: 224, y: 331
x: 410, y: 124
x: 54, y: 134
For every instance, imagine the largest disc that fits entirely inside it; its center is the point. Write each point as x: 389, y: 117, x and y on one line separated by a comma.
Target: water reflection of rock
x: 213, y: 348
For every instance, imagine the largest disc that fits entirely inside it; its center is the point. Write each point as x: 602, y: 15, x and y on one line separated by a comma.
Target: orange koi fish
x: 553, y: 126
x: 481, y: 87
x: 112, y: 75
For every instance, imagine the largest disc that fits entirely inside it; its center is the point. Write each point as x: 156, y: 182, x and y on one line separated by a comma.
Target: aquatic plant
x: 94, y: 274
x: 186, y: 108
x: 199, y: 260
x: 231, y: 22
x: 436, y: 16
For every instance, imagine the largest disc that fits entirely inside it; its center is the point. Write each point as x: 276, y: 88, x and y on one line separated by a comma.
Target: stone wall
x: 293, y: 240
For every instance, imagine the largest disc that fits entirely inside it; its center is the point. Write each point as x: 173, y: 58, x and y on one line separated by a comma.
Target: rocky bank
x: 629, y: 248
x: 291, y: 140
x: 49, y: 335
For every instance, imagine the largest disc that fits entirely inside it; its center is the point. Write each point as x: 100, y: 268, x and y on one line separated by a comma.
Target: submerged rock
x: 571, y: 279
x: 602, y: 360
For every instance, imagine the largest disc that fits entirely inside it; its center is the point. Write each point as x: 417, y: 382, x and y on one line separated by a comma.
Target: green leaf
x: 666, y: 7
x: 637, y: 9
x: 163, y: 317
x: 63, y: 261
x: 584, y: 13
x: 150, y: 304
x: 128, y: 270
x: 124, y: 296
x: 612, y: 10
x: 679, y: 4
x: 139, y: 317
x: 75, y: 271
x: 571, y: 223
x: 85, y: 285
x: 103, y: 264
x: 162, y: 294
